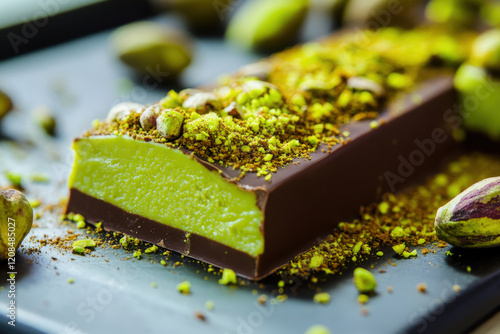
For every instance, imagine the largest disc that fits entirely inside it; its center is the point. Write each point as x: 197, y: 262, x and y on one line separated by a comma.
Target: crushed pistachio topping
x: 311, y: 92
x: 228, y: 277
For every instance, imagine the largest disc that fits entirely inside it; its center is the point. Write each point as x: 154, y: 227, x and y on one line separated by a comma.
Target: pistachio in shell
x: 472, y: 219
x: 267, y: 25
x: 16, y: 219
x: 122, y: 110
x: 486, y: 50
x: 153, y: 48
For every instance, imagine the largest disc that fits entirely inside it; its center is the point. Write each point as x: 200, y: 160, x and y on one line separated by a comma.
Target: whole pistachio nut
x: 149, y: 116
x: 472, y: 219
x: 153, y: 48
x: 169, y: 124
x: 122, y: 110
x: 45, y: 119
x: 16, y: 219
x: 486, y: 50
x: 267, y: 25
x: 200, y: 15
x: 375, y: 14
x: 5, y: 104
x: 484, y: 118
x: 203, y: 102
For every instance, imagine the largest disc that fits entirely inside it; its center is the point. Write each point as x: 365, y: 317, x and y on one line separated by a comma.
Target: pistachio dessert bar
x: 262, y: 166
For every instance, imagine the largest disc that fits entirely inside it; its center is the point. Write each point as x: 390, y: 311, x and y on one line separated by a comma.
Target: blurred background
x: 65, y: 63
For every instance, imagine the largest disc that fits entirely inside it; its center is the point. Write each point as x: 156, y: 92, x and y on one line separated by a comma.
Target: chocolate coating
x: 305, y: 201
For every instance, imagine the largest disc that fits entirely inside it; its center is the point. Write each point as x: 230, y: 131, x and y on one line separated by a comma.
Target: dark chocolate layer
x: 305, y: 201
x: 114, y: 218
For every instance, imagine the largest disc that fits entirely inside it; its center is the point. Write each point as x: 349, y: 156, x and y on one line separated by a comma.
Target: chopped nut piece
x: 184, y: 288
x: 422, y: 287
x: 364, y: 280
x: 228, y: 277
x: 322, y: 298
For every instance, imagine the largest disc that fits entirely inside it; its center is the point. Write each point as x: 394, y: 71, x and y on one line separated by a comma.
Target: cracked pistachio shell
x: 16, y: 219
x: 149, y: 116
x: 472, y: 219
x: 203, y: 102
x: 267, y: 25
x: 122, y: 110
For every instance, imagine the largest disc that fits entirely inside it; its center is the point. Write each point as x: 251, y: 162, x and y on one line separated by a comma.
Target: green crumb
x: 281, y: 284
x: 421, y: 241
x: 408, y: 254
x: 469, y: 269
x: 78, y: 218
x: 209, y: 305
x: 80, y: 245
x: 228, y: 277
x: 322, y: 298
x: 35, y: 203
x: 448, y: 253
x: 318, y: 329
x: 383, y: 207
x: 137, y: 254
x: 398, y: 232
x: 151, y: 249
x: 184, y: 288
x: 364, y: 280
x: 357, y: 247
x: 71, y: 280
x: 163, y: 263
x: 98, y: 225
x: 80, y: 225
x: 316, y: 261
x: 380, y: 253
x: 373, y: 124
x: 363, y: 299
x: 15, y: 179
x: 124, y: 241
x: 399, y: 249
x: 154, y: 285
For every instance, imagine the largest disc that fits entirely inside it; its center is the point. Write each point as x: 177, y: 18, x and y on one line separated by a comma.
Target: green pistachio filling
x: 165, y: 185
